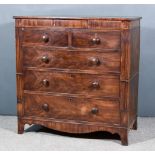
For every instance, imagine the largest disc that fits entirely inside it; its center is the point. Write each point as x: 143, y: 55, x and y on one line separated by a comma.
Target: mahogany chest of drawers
x: 78, y: 75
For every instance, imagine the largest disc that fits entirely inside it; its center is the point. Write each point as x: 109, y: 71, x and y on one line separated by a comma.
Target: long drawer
x: 101, y: 61
x: 73, y: 83
x: 72, y: 108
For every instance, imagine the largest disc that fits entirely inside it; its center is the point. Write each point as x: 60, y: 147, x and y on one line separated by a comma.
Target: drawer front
x: 64, y: 59
x: 72, y: 108
x: 104, y: 40
x: 44, y: 37
x: 74, y: 83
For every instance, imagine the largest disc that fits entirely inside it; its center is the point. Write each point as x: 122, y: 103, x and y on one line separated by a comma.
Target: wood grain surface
x: 78, y: 75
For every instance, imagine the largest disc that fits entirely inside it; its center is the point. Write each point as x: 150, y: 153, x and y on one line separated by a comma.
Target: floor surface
x: 40, y: 138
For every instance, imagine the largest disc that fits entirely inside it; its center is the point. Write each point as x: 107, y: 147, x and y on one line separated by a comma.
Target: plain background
x: 146, y: 105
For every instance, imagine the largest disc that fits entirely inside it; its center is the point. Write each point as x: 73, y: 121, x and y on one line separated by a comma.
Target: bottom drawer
x: 72, y: 108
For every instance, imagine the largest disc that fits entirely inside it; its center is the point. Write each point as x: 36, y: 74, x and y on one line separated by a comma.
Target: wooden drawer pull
x: 45, y: 107
x: 94, y: 61
x: 45, y: 38
x: 45, y: 59
x: 94, y: 110
x: 96, y: 41
x: 95, y: 85
x: 45, y: 82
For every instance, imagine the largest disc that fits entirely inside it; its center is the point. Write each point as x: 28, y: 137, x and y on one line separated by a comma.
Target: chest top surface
x: 119, y: 18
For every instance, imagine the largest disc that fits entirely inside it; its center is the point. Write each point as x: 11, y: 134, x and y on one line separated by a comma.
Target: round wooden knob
x: 95, y: 85
x: 94, y: 110
x: 45, y: 59
x: 45, y: 38
x: 96, y: 40
x: 45, y: 107
x: 45, y: 82
x: 94, y: 61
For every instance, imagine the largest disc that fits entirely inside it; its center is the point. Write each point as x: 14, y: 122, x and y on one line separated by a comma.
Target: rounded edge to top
x: 80, y: 18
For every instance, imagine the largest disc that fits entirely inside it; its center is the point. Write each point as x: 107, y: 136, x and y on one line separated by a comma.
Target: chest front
x: 77, y: 75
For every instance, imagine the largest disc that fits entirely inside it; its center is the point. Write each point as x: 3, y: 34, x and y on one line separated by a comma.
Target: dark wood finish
x: 44, y: 37
x: 78, y: 75
x: 105, y: 18
x: 94, y: 85
x: 78, y: 22
x: 100, y: 61
x: 92, y: 39
x: 72, y: 108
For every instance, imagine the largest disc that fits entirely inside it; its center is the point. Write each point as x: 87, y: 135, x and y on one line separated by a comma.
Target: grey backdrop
x: 7, y: 46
